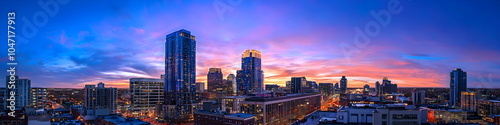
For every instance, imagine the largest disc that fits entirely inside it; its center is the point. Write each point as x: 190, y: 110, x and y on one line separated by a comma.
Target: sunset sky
x: 91, y: 41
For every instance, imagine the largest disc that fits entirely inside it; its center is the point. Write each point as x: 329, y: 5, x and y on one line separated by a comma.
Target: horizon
x: 418, y: 46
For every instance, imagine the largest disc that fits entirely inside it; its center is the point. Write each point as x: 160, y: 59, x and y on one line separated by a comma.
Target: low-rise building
x: 281, y: 110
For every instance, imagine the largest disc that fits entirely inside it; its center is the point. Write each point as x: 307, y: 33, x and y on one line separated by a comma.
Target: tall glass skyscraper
x: 458, y: 83
x: 180, y: 62
x: 181, y: 98
x: 251, y: 77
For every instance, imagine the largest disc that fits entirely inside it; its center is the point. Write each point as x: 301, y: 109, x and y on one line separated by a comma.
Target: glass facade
x: 250, y: 78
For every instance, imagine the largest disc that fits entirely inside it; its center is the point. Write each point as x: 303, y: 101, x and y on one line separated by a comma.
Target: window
x: 404, y: 116
x: 384, y: 116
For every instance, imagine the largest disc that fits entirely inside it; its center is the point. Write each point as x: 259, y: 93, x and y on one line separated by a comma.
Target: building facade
x: 180, y: 77
x: 298, y: 84
x: 458, y: 83
x: 100, y: 97
x: 145, y: 94
x: 231, y: 86
x: 326, y: 89
x: 200, y: 86
x: 38, y: 97
x: 214, y: 80
x: 281, y: 110
x: 488, y: 107
x: 418, y: 97
x: 250, y: 78
x: 231, y: 104
x: 343, y: 85
x: 468, y: 101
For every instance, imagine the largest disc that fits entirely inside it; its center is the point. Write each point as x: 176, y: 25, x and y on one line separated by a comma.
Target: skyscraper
x: 231, y: 85
x: 181, y: 98
x: 387, y: 87
x: 251, y: 77
x: 343, y: 85
x: 377, y: 89
x: 298, y: 84
x: 458, y: 83
x: 100, y: 97
x: 214, y: 80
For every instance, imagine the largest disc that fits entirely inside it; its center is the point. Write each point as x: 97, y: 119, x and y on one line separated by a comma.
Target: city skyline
x: 127, y: 41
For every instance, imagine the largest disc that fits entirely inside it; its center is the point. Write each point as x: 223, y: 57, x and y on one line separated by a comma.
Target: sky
x: 415, y: 43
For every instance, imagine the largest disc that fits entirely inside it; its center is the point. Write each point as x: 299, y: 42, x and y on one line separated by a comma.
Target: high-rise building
x: 343, y: 85
x: 181, y: 98
x: 100, y: 97
x: 387, y: 87
x: 214, y: 80
x: 145, y: 94
x: 377, y: 89
x: 251, y: 77
x: 282, y: 110
x: 336, y: 88
x: 22, y: 91
x: 298, y: 84
x: 418, y: 97
x: 468, y: 101
x: 38, y: 96
x: 231, y: 85
x: 458, y: 83
x: 326, y: 89
x: 366, y: 89
x: 200, y: 86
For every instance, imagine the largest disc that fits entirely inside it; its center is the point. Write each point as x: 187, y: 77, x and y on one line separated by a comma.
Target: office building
x: 458, y: 83
x: 488, y: 107
x: 231, y: 104
x: 298, y: 84
x: 387, y: 87
x: 468, y: 101
x: 326, y: 89
x: 100, y: 97
x: 214, y: 80
x: 272, y: 87
x: 250, y: 78
x: 231, y: 85
x: 343, y: 85
x: 311, y: 86
x: 381, y: 114
x: 378, y: 92
x: 210, y: 115
x: 145, y: 94
x: 281, y: 110
x: 418, y: 97
x: 200, y: 86
x: 181, y: 98
x: 38, y: 97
